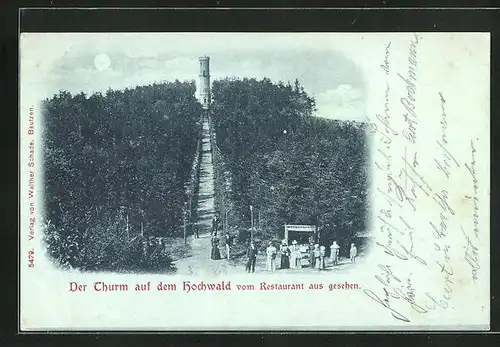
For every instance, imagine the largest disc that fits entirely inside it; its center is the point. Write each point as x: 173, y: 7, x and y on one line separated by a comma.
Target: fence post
x: 127, y: 229
x: 184, y: 225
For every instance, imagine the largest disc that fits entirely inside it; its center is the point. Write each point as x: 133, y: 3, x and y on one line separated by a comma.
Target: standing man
x: 196, y: 235
x: 285, y: 255
x: 252, y: 257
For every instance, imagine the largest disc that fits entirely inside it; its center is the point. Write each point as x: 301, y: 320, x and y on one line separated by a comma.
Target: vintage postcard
x: 254, y: 181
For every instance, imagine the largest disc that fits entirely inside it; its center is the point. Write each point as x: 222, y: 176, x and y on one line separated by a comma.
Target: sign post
x: 300, y: 228
x: 251, y: 222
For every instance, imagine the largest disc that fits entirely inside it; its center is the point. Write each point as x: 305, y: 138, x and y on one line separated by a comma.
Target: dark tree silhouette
x: 116, y: 166
x: 292, y: 167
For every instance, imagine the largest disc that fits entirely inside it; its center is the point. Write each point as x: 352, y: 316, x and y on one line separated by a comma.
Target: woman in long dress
x: 322, y: 257
x: 285, y: 256
x: 271, y: 257
x: 334, y: 253
x: 293, y: 255
x: 215, y: 249
x: 317, y: 256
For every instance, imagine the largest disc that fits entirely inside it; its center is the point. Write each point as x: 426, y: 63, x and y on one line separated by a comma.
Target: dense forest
x: 290, y: 166
x: 118, y: 169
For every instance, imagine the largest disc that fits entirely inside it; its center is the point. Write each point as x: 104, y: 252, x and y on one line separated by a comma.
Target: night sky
x: 319, y: 61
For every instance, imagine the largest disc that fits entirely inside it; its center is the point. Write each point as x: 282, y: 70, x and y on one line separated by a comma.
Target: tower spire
x: 205, y: 96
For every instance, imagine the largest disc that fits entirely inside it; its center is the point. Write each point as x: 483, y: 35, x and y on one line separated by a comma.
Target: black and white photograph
x: 185, y: 163
x: 173, y: 180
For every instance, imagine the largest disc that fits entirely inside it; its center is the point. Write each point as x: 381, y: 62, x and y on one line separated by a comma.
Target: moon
x: 102, y: 62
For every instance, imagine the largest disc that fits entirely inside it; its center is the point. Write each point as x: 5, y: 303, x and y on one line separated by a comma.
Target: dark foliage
x: 292, y: 167
x: 117, y: 166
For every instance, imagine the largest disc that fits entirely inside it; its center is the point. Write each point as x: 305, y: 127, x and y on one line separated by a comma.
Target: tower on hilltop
x: 205, y: 81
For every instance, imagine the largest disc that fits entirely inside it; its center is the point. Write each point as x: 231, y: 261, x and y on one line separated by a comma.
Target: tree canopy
x: 292, y: 167
x: 115, y: 167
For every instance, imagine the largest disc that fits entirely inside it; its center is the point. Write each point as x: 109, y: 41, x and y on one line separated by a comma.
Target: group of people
x: 228, y: 240
x: 291, y: 257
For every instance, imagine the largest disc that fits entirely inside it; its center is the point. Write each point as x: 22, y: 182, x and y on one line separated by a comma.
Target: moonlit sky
x: 326, y: 71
